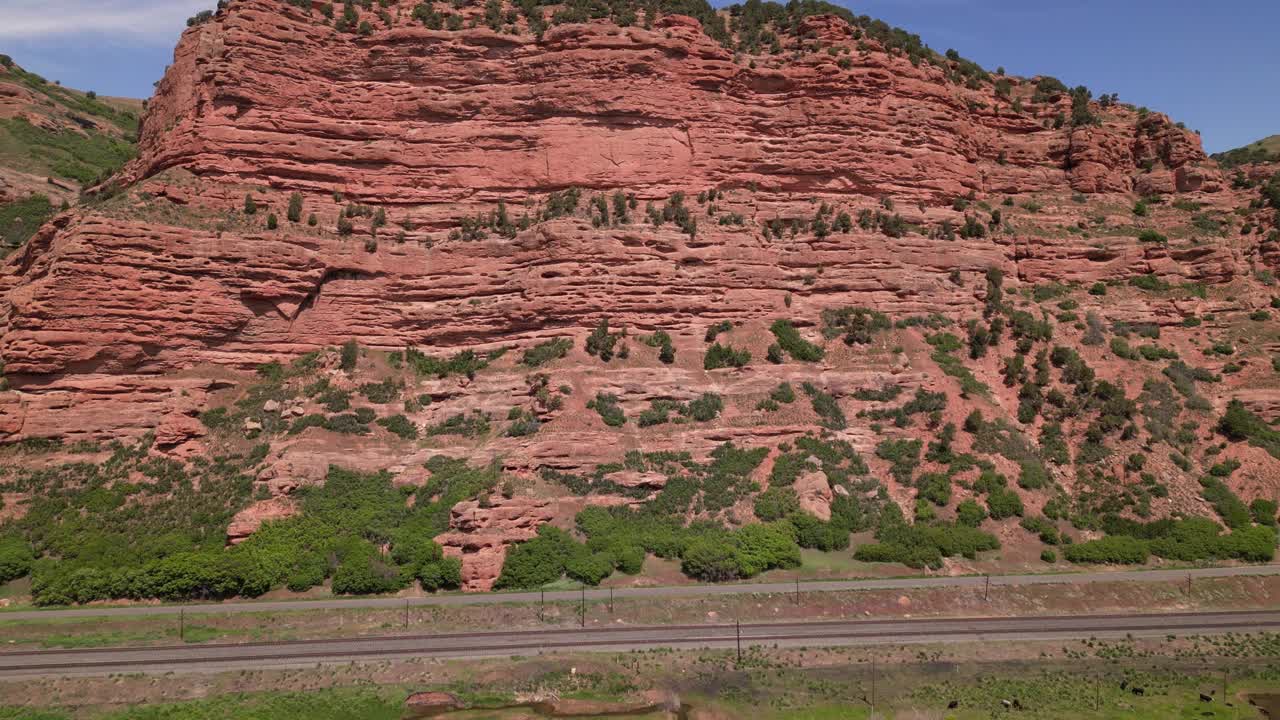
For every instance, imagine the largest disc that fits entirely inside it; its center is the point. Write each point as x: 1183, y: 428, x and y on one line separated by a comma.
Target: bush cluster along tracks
x: 598, y: 594
x: 214, y: 657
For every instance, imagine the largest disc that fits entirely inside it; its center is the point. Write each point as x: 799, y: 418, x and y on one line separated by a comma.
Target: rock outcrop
x: 480, y: 536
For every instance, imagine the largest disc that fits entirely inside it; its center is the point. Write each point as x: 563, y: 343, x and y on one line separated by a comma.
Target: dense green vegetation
x: 96, y: 535
x: 20, y: 219
x: 923, y: 545
x: 87, y: 159
x: 618, y: 538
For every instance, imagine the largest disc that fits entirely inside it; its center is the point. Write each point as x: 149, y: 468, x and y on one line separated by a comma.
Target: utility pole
x: 610, y: 600
x: 738, y: 629
x: 986, y: 590
x: 182, y: 624
x: 797, y: 591
x: 542, y: 604
x: 1188, y: 584
x: 583, y: 611
x: 406, y: 613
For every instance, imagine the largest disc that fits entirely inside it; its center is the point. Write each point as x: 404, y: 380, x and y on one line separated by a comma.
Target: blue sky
x: 1213, y: 65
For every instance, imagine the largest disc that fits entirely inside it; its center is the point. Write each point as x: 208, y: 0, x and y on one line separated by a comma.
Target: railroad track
x: 220, y: 656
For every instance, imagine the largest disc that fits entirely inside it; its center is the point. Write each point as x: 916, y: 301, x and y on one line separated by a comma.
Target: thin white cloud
x: 138, y: 20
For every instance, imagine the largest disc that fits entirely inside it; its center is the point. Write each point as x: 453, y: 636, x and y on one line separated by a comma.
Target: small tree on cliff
x: 250, y: 207
x: 272, y: 222
x: 295, y: 207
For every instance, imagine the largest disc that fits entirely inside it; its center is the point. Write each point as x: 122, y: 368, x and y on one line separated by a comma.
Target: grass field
x: 768, y: 685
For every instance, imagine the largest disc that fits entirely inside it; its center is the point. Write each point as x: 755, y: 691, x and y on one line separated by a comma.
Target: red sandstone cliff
x: 141, y: 310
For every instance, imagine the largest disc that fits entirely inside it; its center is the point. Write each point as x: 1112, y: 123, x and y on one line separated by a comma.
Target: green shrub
x: 776, y: 503
x: 1110, y: 550
x: 903, y: 455
x: 601, y: 342
x: 539, y: 561
x: 401, y: 426
x: 721, y: 356
x: 765, y: 546
x: 721, y: 327
x: 440, y: 574
x: 475, y: 424
x: 815, y: 534
x: 589, y: 568
x: 935, y: 487
x: 16, y: 558
x: 607, y: 406
x: 1262, y: 510
x: 1048, y: 556
x: 924, y: 546
x: 1150, y: 283
x: 1032, y: 475
x: 294, y: 213
x: 706, y: 407
x: 1226, y: 503
x: 546, y: 352
x: 466, y: 362
x: 1043, y: 527
x: 1003, y: 503
x: 363, y: 572
x: 969, y: 513
x: 825, y: 405
x: 783, y: 393
x: 380, y: 392
x: 347, y: 424
x: 350, y: 353
x: 858, y: 325
x: 1239, y: 424
x: 794, y: 345
x: 710, y: 559
x: 666, y: 348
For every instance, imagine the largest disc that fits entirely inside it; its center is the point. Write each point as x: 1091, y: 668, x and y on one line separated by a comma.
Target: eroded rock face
x: 99, y: 294
x: 480, y: 536
x: 129, y: 317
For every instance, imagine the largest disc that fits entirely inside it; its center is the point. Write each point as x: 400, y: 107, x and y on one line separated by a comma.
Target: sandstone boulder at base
x: 814, y: 492
x: 247, y: 521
